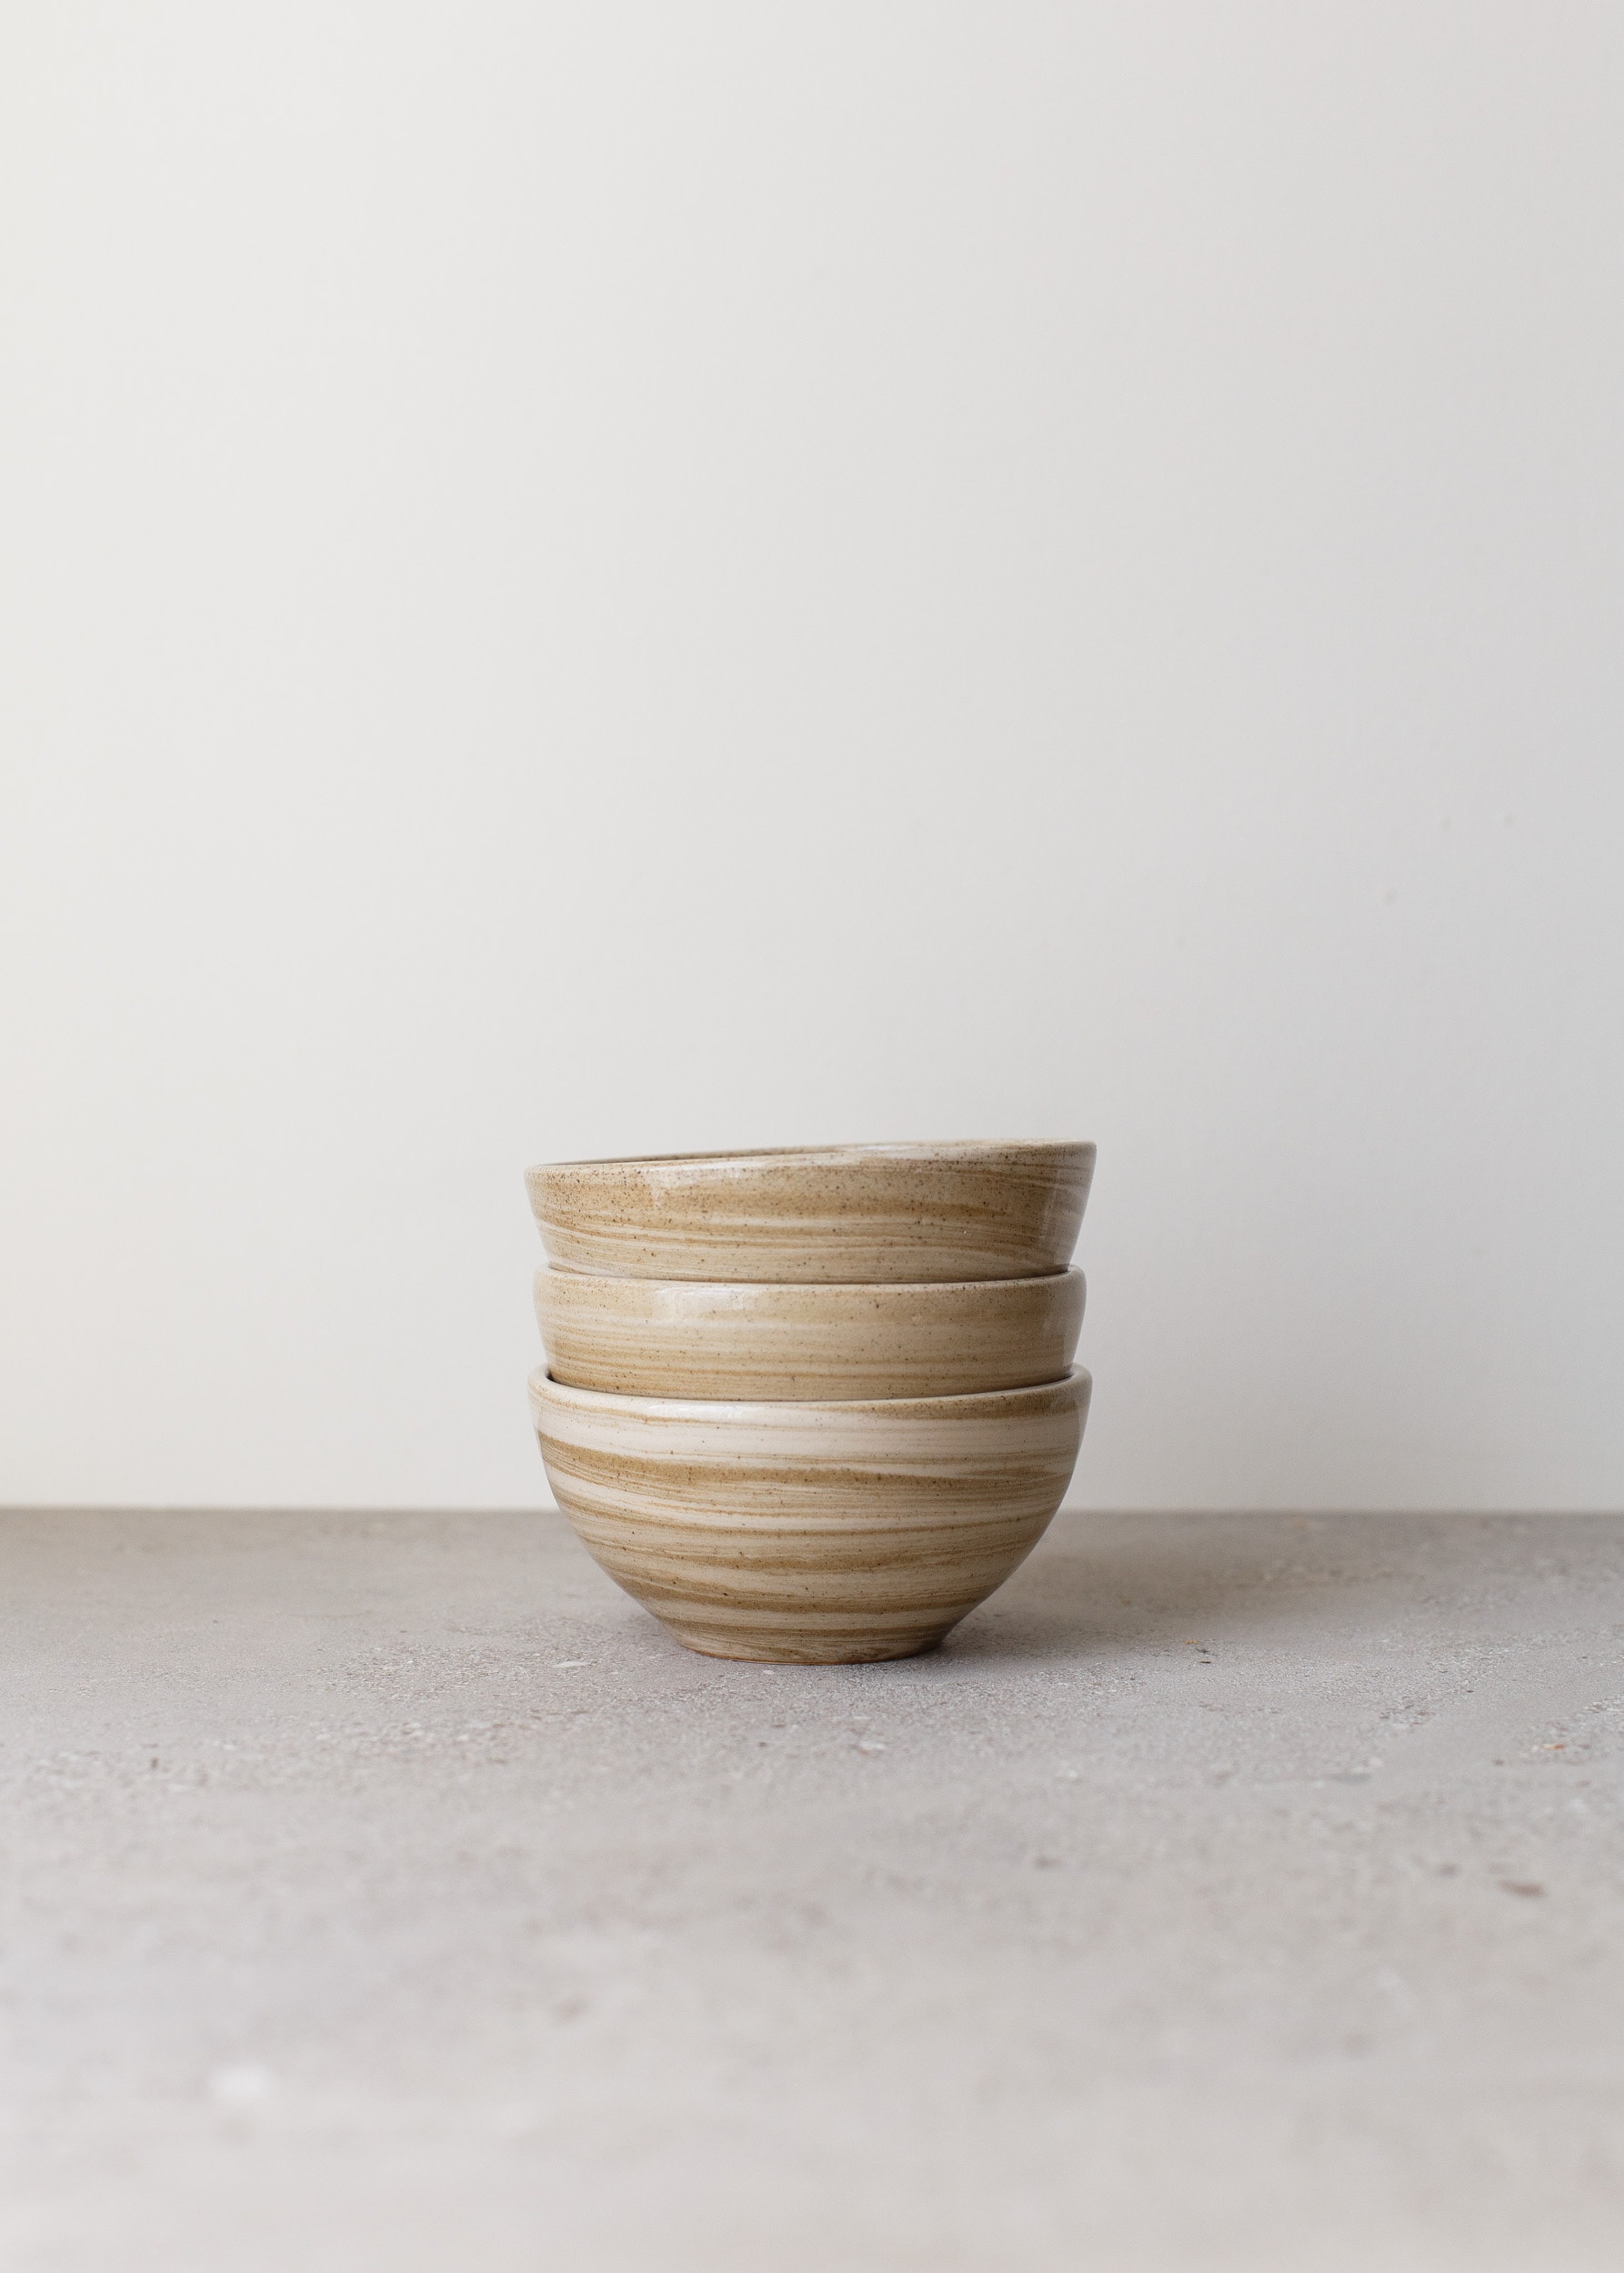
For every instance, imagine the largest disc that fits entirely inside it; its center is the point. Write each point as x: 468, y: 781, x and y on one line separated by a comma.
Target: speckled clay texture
x: 816, y: 1533
x: 888, y: 1212
x: 689, y: 1338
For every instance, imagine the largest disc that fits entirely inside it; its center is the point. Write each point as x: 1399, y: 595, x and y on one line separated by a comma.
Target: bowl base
x: 811, y: 1649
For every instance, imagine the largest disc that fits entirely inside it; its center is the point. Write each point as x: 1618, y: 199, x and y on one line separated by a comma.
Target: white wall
x: 628, y: 577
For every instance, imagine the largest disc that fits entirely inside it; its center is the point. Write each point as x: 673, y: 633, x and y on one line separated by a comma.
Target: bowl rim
x: 541, y: 1384
x: 1057, y: 1148
x: 758, y: 1290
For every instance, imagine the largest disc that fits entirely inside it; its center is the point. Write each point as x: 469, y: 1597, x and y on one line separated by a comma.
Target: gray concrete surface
x: 390, y: 1893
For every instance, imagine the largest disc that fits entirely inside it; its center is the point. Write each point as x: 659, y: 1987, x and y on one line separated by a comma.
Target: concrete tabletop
x: 388, y: 1891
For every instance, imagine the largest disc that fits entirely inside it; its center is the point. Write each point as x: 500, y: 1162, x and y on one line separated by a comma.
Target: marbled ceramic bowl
x: 756, y: 1339
x: 876, y: 1213
x: 825, y: 1533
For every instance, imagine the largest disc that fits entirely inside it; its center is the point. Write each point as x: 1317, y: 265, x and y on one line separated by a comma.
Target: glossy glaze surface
x: 692, y: 1338
x: 811, y: 1534
x: 845, y: 1213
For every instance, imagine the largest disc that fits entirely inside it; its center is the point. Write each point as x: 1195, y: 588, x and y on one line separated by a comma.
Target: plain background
x: 622, y: 578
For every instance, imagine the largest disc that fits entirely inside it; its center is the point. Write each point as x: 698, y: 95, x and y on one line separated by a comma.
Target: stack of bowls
x: 811, y: 1408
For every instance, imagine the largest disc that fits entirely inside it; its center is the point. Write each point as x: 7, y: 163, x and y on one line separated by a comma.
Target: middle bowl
x: 762, y: 1340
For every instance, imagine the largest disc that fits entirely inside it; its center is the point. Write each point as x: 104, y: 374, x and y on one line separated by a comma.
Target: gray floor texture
x: 389, y: 1892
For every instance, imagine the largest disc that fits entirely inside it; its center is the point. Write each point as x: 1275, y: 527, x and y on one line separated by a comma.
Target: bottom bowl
x: 811, y: 1534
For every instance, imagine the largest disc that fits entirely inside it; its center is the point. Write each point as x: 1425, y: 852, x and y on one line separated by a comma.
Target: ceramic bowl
x: 752, y: 1339
x: 849, y: 1212
x: 824, y: 1533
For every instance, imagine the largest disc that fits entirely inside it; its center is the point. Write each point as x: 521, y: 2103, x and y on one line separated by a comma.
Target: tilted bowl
x: 762, y: 1339
x: 836, y: 1214
x: 824, y: 1533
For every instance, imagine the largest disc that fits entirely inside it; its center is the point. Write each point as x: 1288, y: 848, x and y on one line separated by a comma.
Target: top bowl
x: 841, y: 1213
